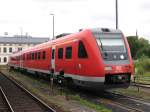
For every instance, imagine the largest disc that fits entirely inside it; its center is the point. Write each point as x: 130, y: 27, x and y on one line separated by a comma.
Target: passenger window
x: 68, y: 52
x: 60, y: 53
x: 53, y: 53
x: 82, y: 51
x: 32, y: 56
x: 44, y: 55
x: 28, y: 56
x: 39, y: 55
x: 23, y: 56
x: 35, y: 55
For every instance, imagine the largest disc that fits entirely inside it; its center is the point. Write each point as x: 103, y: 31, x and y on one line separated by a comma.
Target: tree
x: 139, y: 47
x: 133, y: 43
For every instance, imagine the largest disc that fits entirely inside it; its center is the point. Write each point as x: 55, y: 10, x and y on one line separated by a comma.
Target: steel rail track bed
x: 20, y: 99
x: 128, y: 103
x: 142, y: 85
x: 116, y: 102
x: 4, y: 103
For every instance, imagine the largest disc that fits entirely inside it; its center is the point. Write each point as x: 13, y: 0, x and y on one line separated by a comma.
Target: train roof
x: 66, y: 37
x: 105, y: 30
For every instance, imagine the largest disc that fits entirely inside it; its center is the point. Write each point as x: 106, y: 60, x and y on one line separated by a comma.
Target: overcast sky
x: 33, y: 16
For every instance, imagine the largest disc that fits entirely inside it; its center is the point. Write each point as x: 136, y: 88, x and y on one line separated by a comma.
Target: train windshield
x: 111, y: 44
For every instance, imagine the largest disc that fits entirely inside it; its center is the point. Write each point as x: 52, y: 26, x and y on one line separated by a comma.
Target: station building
x: 8, y: 45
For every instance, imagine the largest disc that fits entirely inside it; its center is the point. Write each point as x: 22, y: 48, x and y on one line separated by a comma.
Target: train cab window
x: 44, y: 55
x: 68, y: 52
x: 82, y: 51
x: 32, y: 56
x: 39, y: 55
x: 60, y: 53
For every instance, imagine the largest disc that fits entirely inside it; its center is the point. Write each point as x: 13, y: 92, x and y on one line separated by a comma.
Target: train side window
x: 82, y: 53
x: 23, y: 56
x: 28, y: 56
x: 35, y: 55
x: 44, y: 55
x: 60, y: 53
x: 32, y: 56
x: 68, y: 52
x: 39, y: 55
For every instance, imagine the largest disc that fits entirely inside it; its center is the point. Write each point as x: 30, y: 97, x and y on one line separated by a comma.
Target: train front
x: 115, y: 52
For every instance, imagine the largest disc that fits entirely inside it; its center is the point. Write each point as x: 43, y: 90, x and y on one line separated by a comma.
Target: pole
x: 52, y: 71
x: 116, y: 14
x: 136, y: 33
x: 21, y: 33
x: 53, y: 26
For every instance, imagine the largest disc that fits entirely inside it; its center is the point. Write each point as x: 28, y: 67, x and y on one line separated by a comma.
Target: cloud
x: 71, y: 15
x: 59, y: 0
x: 145, y: 5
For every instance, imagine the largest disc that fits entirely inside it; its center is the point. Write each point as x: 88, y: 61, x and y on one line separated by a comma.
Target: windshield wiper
x: 105, y: 52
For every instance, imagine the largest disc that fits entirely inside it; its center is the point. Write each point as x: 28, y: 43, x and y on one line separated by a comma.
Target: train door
x: 21, y: 61
x: 53, y: 58
x: 82, y: 62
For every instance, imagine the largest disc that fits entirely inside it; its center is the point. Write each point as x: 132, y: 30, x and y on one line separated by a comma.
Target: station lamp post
x: 116, y: 14
x: 53, y: 25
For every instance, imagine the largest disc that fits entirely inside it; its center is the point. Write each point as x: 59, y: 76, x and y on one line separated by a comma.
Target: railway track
x: 128, y: 103
x: 18, y: 99
x: 4, y: 103
x: 141, y: 85
x: 116, y: 102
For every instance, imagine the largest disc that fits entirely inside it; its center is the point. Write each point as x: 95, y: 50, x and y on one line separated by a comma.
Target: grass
x: 142, y: 70
x: 42, y: 89
x: 147, y: 74
x: 144, y: 79
x: 97, y: 107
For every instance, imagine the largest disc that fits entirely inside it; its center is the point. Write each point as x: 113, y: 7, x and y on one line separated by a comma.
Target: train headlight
x: 108, y: 68
x: 122, y: 56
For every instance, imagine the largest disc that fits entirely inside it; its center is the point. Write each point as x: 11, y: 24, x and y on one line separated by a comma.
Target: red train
x: 93, y: 58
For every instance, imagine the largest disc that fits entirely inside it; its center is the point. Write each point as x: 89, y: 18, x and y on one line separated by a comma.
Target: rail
x: 28, y: 93
x: 6, y: 99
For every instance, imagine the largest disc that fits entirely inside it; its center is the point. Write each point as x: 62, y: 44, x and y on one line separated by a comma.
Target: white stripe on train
x: 73, y: 76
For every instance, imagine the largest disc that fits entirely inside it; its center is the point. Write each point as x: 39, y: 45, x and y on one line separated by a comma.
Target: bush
x: 142, y: 65
x: 145, y: 63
